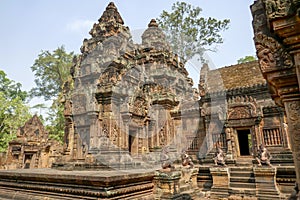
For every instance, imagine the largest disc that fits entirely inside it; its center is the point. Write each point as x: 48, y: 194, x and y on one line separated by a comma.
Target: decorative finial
x: 111, y: 5
x: 153, y: 23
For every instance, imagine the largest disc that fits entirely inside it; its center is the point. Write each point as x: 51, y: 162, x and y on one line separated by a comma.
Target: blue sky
x: 27, y: 27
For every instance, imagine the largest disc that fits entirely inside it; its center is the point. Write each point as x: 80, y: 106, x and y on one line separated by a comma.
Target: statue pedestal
x: 178, y: 184
x: 220, y: 186
x: 166, y: 184
x: 265, y: 181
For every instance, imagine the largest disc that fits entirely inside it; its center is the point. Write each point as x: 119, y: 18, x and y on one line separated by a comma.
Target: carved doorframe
x: 243, y: 114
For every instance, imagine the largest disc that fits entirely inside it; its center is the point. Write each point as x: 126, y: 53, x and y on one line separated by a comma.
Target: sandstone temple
x: 137, y: 128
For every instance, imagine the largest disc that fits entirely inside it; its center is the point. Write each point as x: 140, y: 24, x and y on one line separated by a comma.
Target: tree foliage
x: 51, y: 71
x: 246, y: 59
x: 10, y: 88
x: 57, y: 121
x: 190, y: 34
x: 13, y: 110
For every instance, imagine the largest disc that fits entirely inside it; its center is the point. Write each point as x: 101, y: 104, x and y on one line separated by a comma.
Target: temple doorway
x: 27, y: 161
x: 132, y: 142
x: 245, y: 142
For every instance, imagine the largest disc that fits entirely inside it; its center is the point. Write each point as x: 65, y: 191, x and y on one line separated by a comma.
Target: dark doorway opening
x: 245, y: 142
x: 27, y: 161
x: 131, y: 141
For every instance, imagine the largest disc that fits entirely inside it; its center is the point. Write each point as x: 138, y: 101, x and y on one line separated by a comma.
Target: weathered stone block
x: 220, y: 186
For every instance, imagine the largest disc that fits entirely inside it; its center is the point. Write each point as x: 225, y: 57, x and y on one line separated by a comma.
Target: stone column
x: 209, y: 140
x: 126, y: 120
x: 275, y: 32
x: 292, y: 107
x: 228, y: 132
x: 220, y: 186
x: 257, y: 137
x: 93, y: 129
x: 297, y: 65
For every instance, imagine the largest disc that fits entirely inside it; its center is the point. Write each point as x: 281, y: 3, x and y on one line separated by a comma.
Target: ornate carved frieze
x: 271, y: 54
x: 278, y: 8
x: 239, y: 112
x: 242, y: 107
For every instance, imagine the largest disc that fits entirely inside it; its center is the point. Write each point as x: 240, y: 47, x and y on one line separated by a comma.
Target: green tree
x: 13, y: 110
x: 10, y: 88
x: 188, y: 33
x: 57, y: 121
x: 246, y: 59
x: 51, y: 71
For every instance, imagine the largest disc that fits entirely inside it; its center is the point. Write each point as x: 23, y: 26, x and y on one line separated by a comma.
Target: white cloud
x: 80, y: 25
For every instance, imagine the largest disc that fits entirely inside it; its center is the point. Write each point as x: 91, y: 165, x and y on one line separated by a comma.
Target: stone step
x: 244, y: 169
x: 241, y: 174
x: 243, y: 192
x: 242, y: 185
x: 243, y: 179
x: 268, y: 197
x: 270, y: 191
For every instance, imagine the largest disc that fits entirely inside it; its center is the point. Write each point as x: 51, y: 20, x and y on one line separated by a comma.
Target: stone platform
x: 57, y: 184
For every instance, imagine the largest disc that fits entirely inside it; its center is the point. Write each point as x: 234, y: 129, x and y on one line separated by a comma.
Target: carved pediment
x: 151, y: 94
x: 33, y: 130
x: 242, y: 108
x: 239, y: 112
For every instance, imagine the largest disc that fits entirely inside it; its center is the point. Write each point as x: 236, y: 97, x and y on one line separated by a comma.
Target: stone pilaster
x: 292, y: 108
x: 220, y: 186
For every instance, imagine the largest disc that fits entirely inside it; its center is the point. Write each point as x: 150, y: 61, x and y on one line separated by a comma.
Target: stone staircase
x: 242, y: 182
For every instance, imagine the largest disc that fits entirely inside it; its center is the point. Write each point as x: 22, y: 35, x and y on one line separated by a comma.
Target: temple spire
x: 110, y: 23
x: 111, y: 14
x: 110, y: 27
x: 154, y: 37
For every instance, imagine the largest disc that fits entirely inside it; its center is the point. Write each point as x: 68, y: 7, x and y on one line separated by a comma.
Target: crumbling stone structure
x: 32, y: 148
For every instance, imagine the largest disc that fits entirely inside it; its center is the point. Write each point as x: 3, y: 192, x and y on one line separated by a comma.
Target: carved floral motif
x: 239, y: 112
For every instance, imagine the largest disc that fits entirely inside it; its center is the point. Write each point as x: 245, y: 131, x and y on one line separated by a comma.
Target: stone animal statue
x: 263, y: 156
x: 219, y: 158
x: 186, y: 160
x: 165, y: 160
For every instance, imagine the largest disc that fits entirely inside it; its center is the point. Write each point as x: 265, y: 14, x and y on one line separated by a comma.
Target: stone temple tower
x: 128, y: 100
